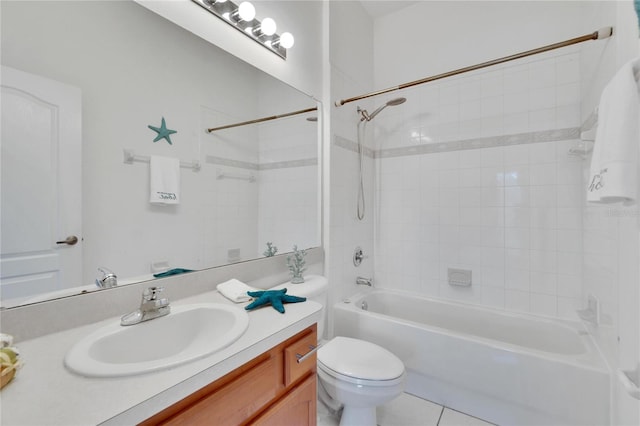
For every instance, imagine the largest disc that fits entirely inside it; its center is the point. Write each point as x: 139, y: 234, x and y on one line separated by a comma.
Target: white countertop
x: 44, y: 392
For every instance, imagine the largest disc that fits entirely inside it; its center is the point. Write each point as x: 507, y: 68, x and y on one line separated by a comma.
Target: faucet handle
x: 151, y: 293
x: 106, y: 278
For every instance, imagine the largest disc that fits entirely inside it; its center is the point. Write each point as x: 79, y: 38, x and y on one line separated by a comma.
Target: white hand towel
x: 614, y: 166
x: 164, y: 180
x: 235, y: 290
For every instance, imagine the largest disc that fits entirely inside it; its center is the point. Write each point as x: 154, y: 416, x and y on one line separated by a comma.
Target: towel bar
x: 227, y: 175
x: 130, y: 156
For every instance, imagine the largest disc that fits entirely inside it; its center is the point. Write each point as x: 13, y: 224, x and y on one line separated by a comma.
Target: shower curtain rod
x: 260, y: 120
x: 602, y: 33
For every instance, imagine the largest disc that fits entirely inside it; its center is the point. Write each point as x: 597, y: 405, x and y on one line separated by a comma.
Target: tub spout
x: 364, y: 281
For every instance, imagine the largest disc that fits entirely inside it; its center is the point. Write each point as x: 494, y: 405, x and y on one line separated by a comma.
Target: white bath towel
x: 614, y: 165
x: 164, y: 175
x: 235, y: 290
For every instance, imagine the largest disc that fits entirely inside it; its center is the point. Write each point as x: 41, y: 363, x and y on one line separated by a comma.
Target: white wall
x: 351, y: 61
x: 611, y: 232
x: 303, y: 67
x: 432, y: 37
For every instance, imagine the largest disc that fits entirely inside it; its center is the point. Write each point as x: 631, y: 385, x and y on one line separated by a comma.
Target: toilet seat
x: 360, y: 362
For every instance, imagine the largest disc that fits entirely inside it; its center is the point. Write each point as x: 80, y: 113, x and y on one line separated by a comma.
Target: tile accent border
x: 288, y: 164
x: 352, y: 146
x: 231, y: 163
x: 266, y: 166
x: 465, y: 144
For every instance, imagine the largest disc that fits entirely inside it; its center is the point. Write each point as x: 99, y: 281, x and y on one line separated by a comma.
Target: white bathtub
x: 506, y: 368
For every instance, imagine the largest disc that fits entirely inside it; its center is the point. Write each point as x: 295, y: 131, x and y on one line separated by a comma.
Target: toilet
x: 353, y: 374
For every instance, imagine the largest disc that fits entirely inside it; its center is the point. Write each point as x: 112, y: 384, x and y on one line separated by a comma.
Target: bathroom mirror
x: 127, y: 71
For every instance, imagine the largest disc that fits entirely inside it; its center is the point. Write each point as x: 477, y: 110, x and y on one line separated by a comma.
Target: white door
x: 41, y: 185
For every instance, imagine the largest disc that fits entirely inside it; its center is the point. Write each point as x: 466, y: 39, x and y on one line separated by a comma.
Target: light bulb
x: 268, y: 26
x: 286, y: 40
x: 246, y: 11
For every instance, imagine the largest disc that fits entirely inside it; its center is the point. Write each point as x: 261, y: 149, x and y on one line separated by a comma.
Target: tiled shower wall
x: 510, y: 214
x: 508, y: 209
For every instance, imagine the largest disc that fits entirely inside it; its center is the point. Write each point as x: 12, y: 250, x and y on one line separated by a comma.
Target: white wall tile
x: 544, y: 152
x: 517, y: 238
x: 493, y: 296
x: 516, y: 102
x: 517, y: 279
x: 542, y: 119
x: 493, y: 277
x: 470, y: 197
x: 470, y: 89
x: 517, y: 175
x: 517, y: 300
x: 542, y: 98
x: 544, y: 283
x: 543, y: 304
x: 492, y: 176
x: 513, y: 214
x: 491, y: 84
x: 542, y: 74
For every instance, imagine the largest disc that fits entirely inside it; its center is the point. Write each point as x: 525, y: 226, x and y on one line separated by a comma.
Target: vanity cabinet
x: 271, y: 389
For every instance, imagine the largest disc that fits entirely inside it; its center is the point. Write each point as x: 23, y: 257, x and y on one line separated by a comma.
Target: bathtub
x: 509, y: 369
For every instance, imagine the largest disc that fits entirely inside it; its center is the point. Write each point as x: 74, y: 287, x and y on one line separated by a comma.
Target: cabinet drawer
x: 238, y: 401
x: 296, y: 365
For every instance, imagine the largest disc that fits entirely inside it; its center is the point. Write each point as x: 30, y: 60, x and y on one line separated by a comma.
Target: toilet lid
x: 359, y: 359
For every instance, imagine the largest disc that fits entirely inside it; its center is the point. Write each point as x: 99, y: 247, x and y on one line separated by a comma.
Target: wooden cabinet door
x: 297, y: 408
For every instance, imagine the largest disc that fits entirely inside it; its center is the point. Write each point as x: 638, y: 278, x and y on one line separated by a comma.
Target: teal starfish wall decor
x: 163, y: 132
x: 274, y: 298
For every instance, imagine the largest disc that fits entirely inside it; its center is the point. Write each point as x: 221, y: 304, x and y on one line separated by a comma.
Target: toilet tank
x: 314, y: 287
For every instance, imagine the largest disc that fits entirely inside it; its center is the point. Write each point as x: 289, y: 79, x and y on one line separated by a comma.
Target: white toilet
x: 353, y: 373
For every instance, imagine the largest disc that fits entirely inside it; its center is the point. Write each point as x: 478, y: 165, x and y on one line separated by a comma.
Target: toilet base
x: 358, y: 416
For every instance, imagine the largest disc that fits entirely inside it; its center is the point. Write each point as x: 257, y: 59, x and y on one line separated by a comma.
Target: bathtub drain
x: 364, y: 305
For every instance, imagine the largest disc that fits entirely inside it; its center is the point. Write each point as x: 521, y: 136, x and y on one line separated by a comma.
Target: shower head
x: 369, y: 117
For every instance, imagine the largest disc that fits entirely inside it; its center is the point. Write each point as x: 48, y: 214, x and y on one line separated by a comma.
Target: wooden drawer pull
x: 312, y: 350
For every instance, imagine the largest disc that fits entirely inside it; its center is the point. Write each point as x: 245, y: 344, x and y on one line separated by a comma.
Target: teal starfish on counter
x: 163, y: 132
x: 274, y: 298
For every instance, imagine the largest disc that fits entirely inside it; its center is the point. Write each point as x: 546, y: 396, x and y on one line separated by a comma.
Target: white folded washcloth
x: 614, y: 165
x: 235, y: 290
x: 164, y: 175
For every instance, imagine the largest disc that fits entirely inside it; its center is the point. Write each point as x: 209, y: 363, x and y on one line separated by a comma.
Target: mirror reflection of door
x: 41, y: 185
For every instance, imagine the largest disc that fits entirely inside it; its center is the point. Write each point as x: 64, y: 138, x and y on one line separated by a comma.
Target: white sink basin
x: 189, y: 332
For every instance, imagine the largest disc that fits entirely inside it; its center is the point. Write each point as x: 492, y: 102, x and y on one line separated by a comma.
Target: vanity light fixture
x: 242, y: 17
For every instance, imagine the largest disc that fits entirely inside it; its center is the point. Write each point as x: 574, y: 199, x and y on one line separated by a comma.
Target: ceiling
x: 379, y: 8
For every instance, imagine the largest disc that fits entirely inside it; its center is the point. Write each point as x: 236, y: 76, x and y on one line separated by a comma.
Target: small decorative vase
x: 297, y: 279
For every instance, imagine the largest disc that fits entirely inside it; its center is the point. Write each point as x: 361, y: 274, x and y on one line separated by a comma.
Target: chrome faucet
x: 106, y: 278
x: 364, y: 281
x: 150, y: 307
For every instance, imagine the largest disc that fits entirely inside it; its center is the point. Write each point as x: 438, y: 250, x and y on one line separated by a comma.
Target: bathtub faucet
x: 364, y: 281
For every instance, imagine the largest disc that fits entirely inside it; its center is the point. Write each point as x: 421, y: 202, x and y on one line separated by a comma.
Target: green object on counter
x: 170, y: 272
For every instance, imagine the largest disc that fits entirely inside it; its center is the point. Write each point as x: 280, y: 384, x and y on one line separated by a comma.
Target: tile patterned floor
x: 408, y: 410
